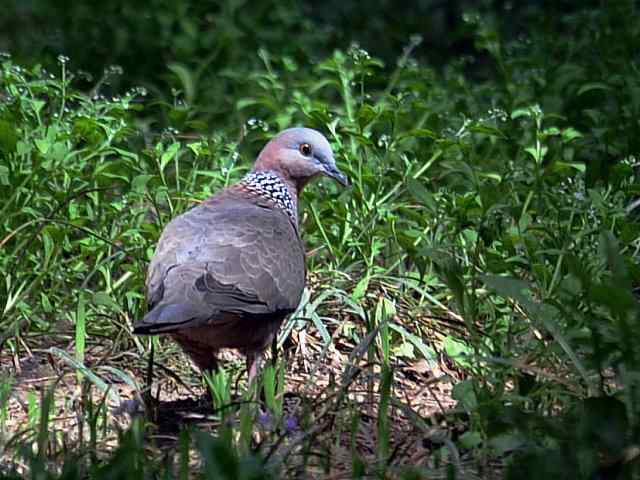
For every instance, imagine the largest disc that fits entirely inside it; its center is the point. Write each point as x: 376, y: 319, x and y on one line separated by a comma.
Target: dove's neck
x: 270, y: 186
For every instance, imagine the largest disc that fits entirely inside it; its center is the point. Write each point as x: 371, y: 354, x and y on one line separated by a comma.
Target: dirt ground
x: 324, y: 387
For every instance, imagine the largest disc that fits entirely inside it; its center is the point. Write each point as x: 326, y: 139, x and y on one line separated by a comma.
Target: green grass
x: 489, y: 233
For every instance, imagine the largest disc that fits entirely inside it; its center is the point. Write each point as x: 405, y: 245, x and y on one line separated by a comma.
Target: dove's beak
x: 332, y: 171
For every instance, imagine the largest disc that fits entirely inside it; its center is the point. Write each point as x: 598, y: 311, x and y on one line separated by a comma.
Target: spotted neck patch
x: 270, y: 186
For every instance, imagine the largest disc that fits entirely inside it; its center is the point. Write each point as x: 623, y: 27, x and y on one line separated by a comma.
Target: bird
x: 227, y: 272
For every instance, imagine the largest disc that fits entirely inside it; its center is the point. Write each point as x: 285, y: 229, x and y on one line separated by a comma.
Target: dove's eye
x: 305, y: 149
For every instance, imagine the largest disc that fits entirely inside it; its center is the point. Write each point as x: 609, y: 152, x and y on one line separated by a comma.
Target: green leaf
x: 8, y: 137
x: 421, y: 194
x: 366, y: 115
x: 322, y: 329
x: 458, y: 351
x: 427, y: 352
x: 139, y: 183
x: 538, y: 155
x: 464, y: 393
x: 361, y: 288
x: 43, y: 145
x: 168, y: 154
x: 509, y: 287
x: 87, y: 373
x: 243, y: 103
x: 102, y: 298
x: 569, y: 134
x: 37, y: 105
x: 487, y: 130
x: 419, y: 133
x: 520, y: 112
x: 470, y: 440
x: 187, y: 80
x: 579, y: 166
x: 589, y: 87
x: 507, y: 442
x: 492, y: 175
x: 4, y: 175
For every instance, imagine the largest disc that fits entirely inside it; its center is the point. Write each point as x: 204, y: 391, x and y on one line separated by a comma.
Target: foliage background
x: 491, y: 227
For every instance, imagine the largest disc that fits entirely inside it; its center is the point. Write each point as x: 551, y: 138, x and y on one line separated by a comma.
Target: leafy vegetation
x: 489, y: 244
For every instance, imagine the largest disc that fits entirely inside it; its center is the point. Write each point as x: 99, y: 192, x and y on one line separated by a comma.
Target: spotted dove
x: 226, y: 273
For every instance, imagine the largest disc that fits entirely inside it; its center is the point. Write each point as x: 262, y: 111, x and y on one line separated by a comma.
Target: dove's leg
x: 254, y: 360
